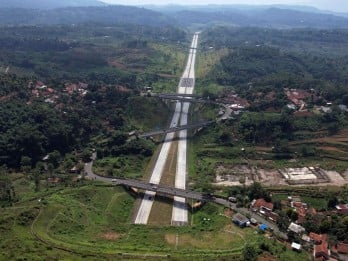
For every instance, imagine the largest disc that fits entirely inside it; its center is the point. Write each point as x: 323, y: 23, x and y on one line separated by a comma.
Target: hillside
x: 75, y: 15
x: 47, y: 4
x: 78, y: 11
x: 270, y: 17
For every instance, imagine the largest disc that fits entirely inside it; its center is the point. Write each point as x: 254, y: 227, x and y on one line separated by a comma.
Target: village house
x: 233, y: 98
x: 340, y: 251
x: 342, y: 209
x: 320, y: 249
x: 240, y: 220
x: 272, y: 216
x: 261, y: 205
x: 317, y: 239
x: 302, y: 213
x: 296, y: 247
x: 297, y: 96
x: 297, y: 229
x: 80, y: 88
x: 264, y: 208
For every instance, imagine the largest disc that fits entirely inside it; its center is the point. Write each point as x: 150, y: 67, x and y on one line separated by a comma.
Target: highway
x: 180, y: 193
x: 186, y: 86
x: 160, y: 95
x: 149, y: 196
x: 186, y: 82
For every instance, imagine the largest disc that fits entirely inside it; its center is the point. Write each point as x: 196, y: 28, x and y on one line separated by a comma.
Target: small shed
x: 240, y: 220
x: 296, y: 228
x: 263, y: 227
x: 74, y: 170
x: 253, y: 221
x: 296, y: 247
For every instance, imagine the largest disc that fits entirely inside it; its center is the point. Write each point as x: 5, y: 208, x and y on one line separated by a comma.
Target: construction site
x: 243, y: 174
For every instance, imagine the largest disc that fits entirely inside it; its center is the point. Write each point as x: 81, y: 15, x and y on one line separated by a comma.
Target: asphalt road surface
x: 186, y: 86
x: 147, y: 202
x: 148, y: 199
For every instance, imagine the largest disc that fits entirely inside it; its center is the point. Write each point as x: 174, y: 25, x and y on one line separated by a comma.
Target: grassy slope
x: 93, y: 222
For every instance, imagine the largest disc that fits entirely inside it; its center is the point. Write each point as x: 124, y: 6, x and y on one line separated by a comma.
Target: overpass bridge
x: 160, y: 95
x: 162, y: 190
x: 182, y: 97
x: 174, y: 129
x: 171, y: 191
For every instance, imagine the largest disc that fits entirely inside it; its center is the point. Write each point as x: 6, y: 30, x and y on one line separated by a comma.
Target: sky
x: 332, y: 5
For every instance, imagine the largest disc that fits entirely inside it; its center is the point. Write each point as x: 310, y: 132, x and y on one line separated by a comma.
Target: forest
x: 267, y: 64
x: 39, y: 114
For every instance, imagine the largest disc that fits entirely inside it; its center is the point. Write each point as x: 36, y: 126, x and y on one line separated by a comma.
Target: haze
x: 333, y: 5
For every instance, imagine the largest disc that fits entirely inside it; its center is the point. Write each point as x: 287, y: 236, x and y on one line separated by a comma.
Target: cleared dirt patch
x: 228, y: 212
x: 342, y: 136
x: 171, y: 239
x: 329, y: 148
x: 112, y: 236
x: 210, y: 240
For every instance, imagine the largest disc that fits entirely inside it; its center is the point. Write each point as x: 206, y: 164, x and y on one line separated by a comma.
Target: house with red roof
x: 342, y: 248
x: 302, y: 213
x: 272, y: 216
x: 342, y: 209
x: 321, y: 250
x: 317, y: 238
x: 261, y: 205
x: 296, y: 96
x: 340, y: 251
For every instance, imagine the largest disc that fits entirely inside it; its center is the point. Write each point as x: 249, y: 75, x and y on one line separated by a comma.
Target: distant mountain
x: 75, y: 15
x: 47, y: 4
x: 200, y: 17
x: 211, y: 8
x: 261, y: 17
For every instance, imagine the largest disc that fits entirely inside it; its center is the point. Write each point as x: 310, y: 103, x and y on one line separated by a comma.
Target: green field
x: 95, y: 222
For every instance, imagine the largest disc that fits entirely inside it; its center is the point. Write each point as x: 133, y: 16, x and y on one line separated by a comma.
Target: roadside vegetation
x: 91, y: 221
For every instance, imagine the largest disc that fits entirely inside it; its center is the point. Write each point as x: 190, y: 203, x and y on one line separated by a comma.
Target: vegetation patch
x: 111, y: 236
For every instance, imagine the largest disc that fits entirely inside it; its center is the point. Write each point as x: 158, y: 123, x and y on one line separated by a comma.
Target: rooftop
x: 342, y: 248
x: 296, y: 228
x: 261, y: 203
x: 296, y: 246
x: 318, y: 238
x: 240, y: 218
x: 342, y: 206
x: 298, y: 173
x: 321, y: 249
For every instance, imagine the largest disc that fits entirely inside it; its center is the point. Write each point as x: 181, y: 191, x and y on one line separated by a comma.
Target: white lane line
x: 147, y: 202
x: 179, y: 213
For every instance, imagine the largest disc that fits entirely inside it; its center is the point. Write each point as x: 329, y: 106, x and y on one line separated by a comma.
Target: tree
x: 325, y: 226
x: 332, y: 202
x: 333, y: 128
x: 257, y: 191
x: 283, y: 221
x: 54, y: 158
x: 249, y: 252
x: 7, y: 192
x: 25, y: 164
x: 86, y: 155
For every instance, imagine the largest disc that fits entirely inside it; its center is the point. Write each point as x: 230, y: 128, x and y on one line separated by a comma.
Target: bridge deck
x: 175, y: 95
x: 178, y: 128
x: 164, y: 190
